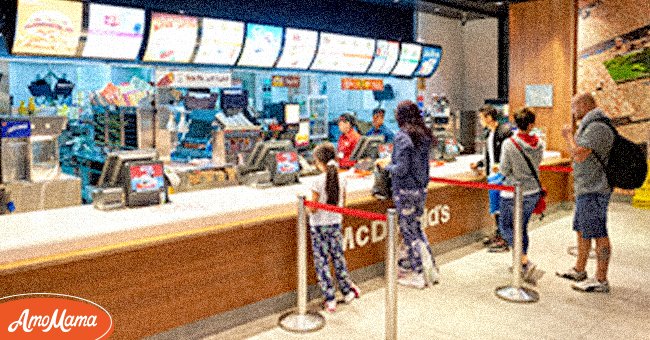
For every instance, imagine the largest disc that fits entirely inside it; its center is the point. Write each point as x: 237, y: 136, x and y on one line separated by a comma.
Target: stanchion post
x: 516, y: 292
x: 391, y: 276
x: 302, y: 321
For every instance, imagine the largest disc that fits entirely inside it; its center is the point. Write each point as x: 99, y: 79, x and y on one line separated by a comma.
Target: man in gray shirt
x: 593, y: 139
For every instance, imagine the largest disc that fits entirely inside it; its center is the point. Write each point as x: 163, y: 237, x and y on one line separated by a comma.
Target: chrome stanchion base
x: 573, y: 250
x: 513, y: 294
x: 294, y: 322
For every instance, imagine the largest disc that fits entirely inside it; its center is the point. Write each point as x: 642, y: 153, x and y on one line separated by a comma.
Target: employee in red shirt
x: 348, y: 140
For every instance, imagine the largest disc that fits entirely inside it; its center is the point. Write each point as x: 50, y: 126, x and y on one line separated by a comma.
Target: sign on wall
x: 362, y: 84
x: 539, y: 95
x: 193, y: 79
x: 285, y: 81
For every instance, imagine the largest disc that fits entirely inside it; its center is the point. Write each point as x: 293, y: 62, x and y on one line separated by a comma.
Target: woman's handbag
x: 381, y: 189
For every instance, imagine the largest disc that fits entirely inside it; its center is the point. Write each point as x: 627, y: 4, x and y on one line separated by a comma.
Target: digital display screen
x: 172, y: 38
x: 221, y: 42
x: 287, y: 162
x: 114, y: 32
x: 262, y: 46
x: 409, y: 58
x: 299, y: 49
x: 430, y: 60
x: 48, y: 27
x: 147, y: 178
x: 291, y: 113
x: 386, y: 55
x: 342, y: 53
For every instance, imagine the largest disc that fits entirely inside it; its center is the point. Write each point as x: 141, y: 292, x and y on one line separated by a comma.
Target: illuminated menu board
x: 386, y: 55
x: 221, y: 42
x: 409, y: 58
x: 430, y: 60
x: 342, y: 53
x: 48, y: 27
x: 114, y: 32
x: 299, y: 49
x: 262, y: 46
x: 172, y: 38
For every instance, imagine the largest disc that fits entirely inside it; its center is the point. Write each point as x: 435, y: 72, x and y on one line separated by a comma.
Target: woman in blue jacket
x: 409, y: 169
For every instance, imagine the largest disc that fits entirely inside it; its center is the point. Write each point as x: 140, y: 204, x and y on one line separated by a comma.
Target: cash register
x: 272, y: 162
x: 133, y: 178
x: 367, y: 151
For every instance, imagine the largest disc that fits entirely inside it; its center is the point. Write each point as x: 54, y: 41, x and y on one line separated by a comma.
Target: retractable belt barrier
x: 304, y: 321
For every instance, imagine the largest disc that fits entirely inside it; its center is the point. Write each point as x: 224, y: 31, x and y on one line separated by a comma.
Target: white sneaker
x: 330, y: 306
x: 413, y: 280
x: 430, y: 271
x: 354, y: 293
x: 592, y: 285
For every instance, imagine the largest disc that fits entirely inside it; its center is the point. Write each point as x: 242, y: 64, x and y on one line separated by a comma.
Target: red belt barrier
x: 346, y: 211
x: 474, y: 185
x: 565, y: 169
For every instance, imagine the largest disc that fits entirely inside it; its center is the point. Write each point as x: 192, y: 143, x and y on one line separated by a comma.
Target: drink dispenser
x: 44, y: 147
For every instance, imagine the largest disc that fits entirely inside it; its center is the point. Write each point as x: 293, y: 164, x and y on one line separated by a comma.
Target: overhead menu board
x: 386, y: 55
x: 299, y: 49
x: 114, y: 32
x: 429, y: 62
x: 172, y: 38
x: 48, y: 27
x: 409, y: 58
x: 221, y: 42
x: 343, y: 53
x: 262, y: 46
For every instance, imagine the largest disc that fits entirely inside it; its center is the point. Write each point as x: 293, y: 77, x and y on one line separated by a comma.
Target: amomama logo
x: 52, y: 316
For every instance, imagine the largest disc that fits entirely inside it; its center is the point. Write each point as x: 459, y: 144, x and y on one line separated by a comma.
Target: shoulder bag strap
x: 609, y: 124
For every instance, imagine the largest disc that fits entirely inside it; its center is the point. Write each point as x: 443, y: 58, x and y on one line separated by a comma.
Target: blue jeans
x: 506, y: 218
x: 326, y: 242
x: 410, y: 207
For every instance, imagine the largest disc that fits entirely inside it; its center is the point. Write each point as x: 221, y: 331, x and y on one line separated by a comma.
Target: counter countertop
x: 51, y: 235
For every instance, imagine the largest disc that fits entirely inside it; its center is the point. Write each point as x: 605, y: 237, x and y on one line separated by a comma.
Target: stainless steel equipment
x: 14, y: 149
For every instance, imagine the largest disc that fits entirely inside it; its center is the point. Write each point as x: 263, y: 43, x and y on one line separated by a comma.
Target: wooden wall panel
x: 542, y: 51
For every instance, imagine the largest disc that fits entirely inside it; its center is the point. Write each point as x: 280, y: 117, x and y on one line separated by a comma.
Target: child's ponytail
x: 326, y: 154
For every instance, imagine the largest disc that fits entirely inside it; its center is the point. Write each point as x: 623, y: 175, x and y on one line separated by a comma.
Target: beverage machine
x: 29, y: 164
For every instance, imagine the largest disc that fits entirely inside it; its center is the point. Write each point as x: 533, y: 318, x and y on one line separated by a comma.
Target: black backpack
x: 627, y: 167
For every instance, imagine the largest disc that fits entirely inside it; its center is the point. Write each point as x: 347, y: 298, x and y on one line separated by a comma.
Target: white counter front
x: 63, y: 232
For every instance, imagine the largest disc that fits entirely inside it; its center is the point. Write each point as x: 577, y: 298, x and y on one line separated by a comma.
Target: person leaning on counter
x: 348, y: 140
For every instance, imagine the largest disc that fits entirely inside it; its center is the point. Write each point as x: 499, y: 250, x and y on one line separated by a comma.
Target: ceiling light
x: 499, y: 3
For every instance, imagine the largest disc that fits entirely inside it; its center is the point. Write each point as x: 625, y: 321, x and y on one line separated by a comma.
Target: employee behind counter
x: 348, y: 140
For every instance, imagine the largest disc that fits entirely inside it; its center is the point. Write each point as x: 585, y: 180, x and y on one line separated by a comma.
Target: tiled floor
x: 464, y: 306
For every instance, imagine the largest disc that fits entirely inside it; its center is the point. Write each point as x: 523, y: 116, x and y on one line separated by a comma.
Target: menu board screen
x: 172, y: 38
x: 221, y: 42
x: 48, y: 27
x: 386, y: 55
x: 262, y: 46
x: 299, y: 49
x: 343, y: 53
x: 409, y: 58
x: 114, y: 32
x: 430, y: 60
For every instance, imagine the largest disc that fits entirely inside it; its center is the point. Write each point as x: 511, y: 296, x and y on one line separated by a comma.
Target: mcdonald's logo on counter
x: 362, y: 84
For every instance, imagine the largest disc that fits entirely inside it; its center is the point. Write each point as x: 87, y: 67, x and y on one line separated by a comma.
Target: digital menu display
x: 48, y: 27
x: 299, y: 49
x: 409, y: 58
x: 114, y: 32
x: 262, y: 46
x: 172, y: 38
x: 386, y: 55
x: 221, y: 42
x: 430, y: 60
x: 343, y: 53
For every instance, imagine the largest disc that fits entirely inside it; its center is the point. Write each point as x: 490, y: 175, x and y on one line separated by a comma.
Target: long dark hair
x: 410, y: 121
x: 325, y: 153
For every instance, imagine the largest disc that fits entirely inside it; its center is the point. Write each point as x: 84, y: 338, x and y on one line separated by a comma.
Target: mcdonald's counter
x: 211, y: 251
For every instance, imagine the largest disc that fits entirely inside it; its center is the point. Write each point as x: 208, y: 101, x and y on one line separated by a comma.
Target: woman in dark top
x: 409, y: 169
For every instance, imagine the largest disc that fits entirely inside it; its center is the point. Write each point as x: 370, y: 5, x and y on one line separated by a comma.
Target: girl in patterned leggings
x: 325, y: 229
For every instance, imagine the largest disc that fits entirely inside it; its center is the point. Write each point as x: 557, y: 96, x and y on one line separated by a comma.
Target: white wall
x: 468, y: 72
